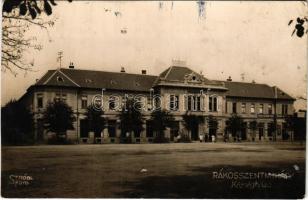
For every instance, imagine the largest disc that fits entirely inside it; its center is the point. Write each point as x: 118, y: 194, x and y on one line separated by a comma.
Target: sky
x: 245, y: 40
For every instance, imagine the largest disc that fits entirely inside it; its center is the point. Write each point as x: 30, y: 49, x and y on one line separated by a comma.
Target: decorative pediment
x: 193, y: 78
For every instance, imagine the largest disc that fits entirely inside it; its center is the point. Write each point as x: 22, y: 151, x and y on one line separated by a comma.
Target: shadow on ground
x: 201, y: 184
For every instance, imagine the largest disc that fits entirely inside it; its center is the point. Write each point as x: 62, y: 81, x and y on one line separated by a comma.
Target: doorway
x: 195, y: 132
x: 261, y: 130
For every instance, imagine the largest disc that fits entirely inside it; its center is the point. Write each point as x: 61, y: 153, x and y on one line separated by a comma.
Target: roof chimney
x: 122, y: 69
x: 179, y: 63
x: 71, y: 66
x: 143, y: 71
x: 229, y: 79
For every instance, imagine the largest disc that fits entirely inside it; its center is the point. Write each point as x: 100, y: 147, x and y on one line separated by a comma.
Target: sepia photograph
x: 154, y: 99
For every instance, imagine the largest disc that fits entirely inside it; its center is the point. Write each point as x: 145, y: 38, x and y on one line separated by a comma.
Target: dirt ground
x: 186, y: 170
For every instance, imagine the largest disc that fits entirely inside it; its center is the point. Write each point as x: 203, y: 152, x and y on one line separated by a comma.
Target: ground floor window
x: 137, y: 134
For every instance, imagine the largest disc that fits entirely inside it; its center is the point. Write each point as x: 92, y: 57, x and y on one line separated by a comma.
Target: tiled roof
x: 98, y: 79
x: 140, y: 82
x: 253, y: 90
x: 176, y: 73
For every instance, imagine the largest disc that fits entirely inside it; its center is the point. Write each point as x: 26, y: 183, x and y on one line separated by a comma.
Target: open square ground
x: 186, y: 170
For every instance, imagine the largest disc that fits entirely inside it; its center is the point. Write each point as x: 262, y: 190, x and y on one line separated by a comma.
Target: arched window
x: 112, y: 102
x: 213, y: 103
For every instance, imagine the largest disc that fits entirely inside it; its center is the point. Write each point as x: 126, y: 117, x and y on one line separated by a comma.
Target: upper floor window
x: 39, y: 100
x: 243, y: 108
x: 139, y: 103
x: 261, y: 107
x: 112, y: 103
x: 198, y: 103
x: 234, y: 107
x: 252, y: 108
x: 60, y: 97
x: 270, y: 109
x: 194, y: 103
x: 84, y: 102
x: 213, y: 104
x: 174, y: 102
x: 284, y: 109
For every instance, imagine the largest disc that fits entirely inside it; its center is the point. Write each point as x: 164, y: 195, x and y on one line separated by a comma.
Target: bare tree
x: 18, y: 16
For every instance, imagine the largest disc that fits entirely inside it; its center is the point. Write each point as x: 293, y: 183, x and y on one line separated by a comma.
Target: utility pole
x: 59, y: 59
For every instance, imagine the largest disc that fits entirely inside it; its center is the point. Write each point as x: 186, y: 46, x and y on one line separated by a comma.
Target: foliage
x: 290, y: 122
x: 253, y: 125
x: 299, y: 26
x: 17, y: 124
x: 161, y: 119
x: 300, y: 128
x: 96, y: 122
x: 29, y: 7
x: 15, y: 41
x: 191, y: 121
x: 234, y: 125
x: 58, y: 118
x: 296, y: 125
x: 17, y: 18
x: 131, y: 118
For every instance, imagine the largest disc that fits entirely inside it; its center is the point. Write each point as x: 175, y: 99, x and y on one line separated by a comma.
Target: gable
x: 58, y: 78
x: 97, y: 79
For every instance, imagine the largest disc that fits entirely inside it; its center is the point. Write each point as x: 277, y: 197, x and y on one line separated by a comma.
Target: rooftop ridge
x: 242, y: 82
x: 105, y: 71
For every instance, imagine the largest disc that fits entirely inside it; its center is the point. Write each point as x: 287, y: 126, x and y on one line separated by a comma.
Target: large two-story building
x: 177, y: 89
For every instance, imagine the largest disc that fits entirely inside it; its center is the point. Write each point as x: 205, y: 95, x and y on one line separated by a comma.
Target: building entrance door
x: 174, y: 131
x: 195, y: 132
x: 261, y: 132
x: 84, y: 130
x: 244, y: 131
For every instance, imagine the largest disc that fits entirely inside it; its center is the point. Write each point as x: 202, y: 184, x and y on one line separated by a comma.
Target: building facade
x: 178, y: 89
